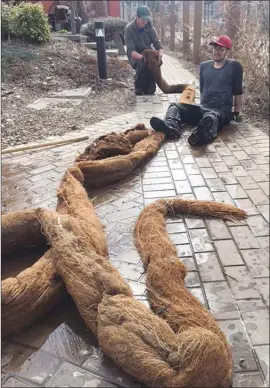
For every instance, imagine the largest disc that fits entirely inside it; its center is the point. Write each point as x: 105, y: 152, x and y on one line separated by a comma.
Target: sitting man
x: 220, y: 80
x: 140, y: 34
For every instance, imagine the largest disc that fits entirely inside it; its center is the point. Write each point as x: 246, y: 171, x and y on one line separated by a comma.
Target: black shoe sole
x: 159, y: 126
x: 203, y: 133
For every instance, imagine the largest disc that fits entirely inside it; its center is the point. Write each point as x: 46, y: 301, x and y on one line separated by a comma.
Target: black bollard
x: 101, y: 50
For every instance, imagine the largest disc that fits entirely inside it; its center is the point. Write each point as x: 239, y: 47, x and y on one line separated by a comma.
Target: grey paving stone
x: 179, y: 175
x: 243, y: 358
x: 263, y: 286
x: 257, y: 196
x: 198, y: 293
x: 196, y: 180
x: 223, y: 197
x: 220, y: 167
x: 176, y: 227
x: 265, y: 187
x: 200, y: 240
x: 220, y: 300
x: 72, y: 376
x: 29, y: 364
x: 187, y: 159
x: 191, y: 169
x: 203, y: 193
x: 203, y: 162
x: 215, y: 184
x: 158, y: 187
x: 257, y: 261
x: 240, y: 155
x: 182, y: 187
x: 188, y: 262
x: 258, y: 175
x: 175, y: 164
x: 231, y: 161
x: 157, y: 181
x: 247, y: 183
x: 179, y: 238
x: 172, y: 154
x: 264, y: 243
x: 227, y: 178
x: 242, y: 284
x: 208, y: 172
x: 263, y: 356
x: 249, y: 165
x: 184, y: 250
x: 128, y: 271
x: 209, y: 267
x: 161, y: 174
x: 14, y: 382
x: 194, y: 222
x: 258, y: 226
x: 248, y: 380
x: 244, y: 238
x: 150, y: 169
x: 236, y: 191
x: 192, y: 279
x: 238, y: 171
x: 247, y: 205
x: 159, y: 194
x: 218, y: 229
x: 256, y: 320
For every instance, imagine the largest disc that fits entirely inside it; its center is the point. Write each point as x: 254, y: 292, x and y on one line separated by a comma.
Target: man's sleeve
x: 129, y: 41
x: 201, y: 78
x: 155, y: 39
x: 237, y: 73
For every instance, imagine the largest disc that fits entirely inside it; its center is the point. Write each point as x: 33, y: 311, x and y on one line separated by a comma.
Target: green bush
x: 30, y: 23
x: 5, y: 20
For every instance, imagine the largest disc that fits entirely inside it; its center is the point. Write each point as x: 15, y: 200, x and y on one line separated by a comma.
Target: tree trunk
x: 172, y: 25
x: 72, y: 17
x: 162, y: 30
x: 95, y: 8
x: 186, y: 26
x: 233, y: 18
x: 198, y: 12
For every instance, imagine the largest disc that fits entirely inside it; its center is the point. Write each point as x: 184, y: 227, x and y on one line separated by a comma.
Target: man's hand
x: 237, y: 117
x: 160, y: 51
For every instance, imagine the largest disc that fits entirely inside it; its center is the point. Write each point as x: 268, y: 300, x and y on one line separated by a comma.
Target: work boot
x: 168, y: 127
x: 139, y: 92
x: 205, y: 132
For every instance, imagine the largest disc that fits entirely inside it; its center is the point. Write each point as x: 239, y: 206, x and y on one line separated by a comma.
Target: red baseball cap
x: 222, y: 41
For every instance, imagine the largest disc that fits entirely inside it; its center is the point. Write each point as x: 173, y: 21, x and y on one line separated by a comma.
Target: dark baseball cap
x: 143, y: 12
x: 222, y: 41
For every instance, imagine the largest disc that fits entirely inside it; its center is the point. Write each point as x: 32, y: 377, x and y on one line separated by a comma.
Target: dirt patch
x: 31, y: 72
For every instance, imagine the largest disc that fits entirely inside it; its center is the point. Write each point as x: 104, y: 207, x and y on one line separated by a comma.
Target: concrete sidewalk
x: 228, y: 263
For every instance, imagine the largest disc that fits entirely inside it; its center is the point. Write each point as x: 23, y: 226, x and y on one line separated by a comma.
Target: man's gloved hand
x: 237, y: 117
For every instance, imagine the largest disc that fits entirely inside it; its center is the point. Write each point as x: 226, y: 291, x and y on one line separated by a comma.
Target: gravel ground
x: 32, y: 72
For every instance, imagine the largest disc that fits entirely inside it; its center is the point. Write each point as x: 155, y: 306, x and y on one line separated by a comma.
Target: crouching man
x: 140, y: 35
x: 220, y: 83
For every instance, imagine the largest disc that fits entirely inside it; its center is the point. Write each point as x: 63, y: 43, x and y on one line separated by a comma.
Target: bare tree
x: 198, y: 12
x: 233, y: 18
x: 162, y: 16
x: 95, y: 8
x: 172, y: 25
x: 186, y: 5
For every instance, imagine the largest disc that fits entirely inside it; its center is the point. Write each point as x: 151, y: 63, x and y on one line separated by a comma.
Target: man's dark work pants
x: 144, y: 81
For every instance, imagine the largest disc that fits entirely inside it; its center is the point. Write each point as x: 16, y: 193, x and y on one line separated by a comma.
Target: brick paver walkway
x: 228, y: 263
